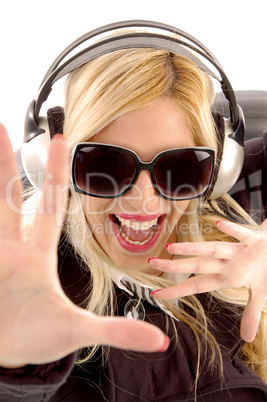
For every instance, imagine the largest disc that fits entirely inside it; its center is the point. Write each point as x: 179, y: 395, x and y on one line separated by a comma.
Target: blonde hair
x: 98, y: 93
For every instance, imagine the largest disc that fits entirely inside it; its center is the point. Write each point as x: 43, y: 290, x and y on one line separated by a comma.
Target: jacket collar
x: 139, y: 291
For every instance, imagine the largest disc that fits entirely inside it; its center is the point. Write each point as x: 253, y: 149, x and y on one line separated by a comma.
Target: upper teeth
x: 137, y: 225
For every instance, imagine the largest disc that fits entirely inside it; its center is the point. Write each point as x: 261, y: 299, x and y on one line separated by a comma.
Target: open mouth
x: 137, y: 233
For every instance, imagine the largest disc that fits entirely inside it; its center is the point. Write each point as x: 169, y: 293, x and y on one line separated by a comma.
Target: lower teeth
x: 136, y: 242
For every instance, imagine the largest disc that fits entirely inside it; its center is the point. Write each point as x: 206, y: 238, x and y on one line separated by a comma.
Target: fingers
x: 119, y: 332
x: 50, y: 214
x: 194, y: 265
x: 214, y: 249
x: 193, y: 285
x: 211, y: 257
x: 10, y: 189
x: 252, y: 315
x: 241, y: 233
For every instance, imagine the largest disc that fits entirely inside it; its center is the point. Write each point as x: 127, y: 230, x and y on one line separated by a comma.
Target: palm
x: 34, y: 308
x: 38, y: 322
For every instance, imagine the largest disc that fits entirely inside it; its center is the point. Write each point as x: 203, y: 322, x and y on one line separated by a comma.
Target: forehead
x: 149, y: 130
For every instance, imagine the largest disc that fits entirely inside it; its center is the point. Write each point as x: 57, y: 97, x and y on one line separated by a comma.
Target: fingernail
x: 151, y: 258
x: 217, y: 222
x: 154, y: 291
x: 167, y: 245
x: 165, y: 345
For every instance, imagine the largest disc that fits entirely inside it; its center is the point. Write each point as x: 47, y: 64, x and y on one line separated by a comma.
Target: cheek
x: 96, y: 218
x: 94, y: 209
x: 94, y: 206
x: 97, y: 211
x: 179, y: 208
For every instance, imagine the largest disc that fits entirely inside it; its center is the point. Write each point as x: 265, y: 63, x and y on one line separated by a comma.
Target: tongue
x: 136, y: 235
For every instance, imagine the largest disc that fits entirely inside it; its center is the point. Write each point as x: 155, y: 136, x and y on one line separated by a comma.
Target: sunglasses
x: 108, y: 171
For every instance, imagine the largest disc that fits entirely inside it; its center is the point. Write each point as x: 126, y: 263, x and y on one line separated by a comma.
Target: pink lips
x: 138, y: 218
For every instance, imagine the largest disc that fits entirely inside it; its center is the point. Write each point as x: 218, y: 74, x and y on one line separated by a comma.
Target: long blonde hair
x: 98, y: 93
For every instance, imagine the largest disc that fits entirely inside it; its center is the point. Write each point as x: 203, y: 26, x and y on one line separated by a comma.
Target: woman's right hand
x: 39, y: 324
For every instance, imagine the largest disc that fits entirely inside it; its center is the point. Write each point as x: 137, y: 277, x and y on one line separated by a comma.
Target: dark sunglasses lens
x: 103, y: 171
x: 183, y: 173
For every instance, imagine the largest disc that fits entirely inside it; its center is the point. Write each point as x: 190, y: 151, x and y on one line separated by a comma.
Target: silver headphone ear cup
x: 34, y: 155
x: 231, y: 164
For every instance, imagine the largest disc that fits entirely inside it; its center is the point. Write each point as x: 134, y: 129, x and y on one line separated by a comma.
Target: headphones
x: 158, y: 36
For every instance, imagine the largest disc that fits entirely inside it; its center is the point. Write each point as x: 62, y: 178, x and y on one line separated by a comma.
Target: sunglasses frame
x: 140, y: 165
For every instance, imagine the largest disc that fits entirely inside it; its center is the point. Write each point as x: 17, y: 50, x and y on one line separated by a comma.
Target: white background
x: 33, y: 33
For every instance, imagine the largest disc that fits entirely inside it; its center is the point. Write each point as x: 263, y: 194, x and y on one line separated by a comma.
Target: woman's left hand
x: 223, y: 265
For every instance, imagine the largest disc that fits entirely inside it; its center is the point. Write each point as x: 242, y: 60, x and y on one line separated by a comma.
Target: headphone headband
x: 186, y: 46
x: 126, y: 24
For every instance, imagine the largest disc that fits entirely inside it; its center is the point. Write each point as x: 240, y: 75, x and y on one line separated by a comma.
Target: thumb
x: 119, y: 332
x: 252, y: 315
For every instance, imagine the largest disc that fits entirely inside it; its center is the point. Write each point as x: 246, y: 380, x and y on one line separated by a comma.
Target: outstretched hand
x: 223, y: 265
x: 39, y: 324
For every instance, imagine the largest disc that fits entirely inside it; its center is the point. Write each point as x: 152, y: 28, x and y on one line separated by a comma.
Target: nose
x: 143, y: 196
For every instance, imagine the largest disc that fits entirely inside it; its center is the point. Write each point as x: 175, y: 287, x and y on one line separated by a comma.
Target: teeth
x: 136, y: 242
x: 137, y: 225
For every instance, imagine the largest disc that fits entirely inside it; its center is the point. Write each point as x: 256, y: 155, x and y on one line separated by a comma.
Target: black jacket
x: 165, y: 377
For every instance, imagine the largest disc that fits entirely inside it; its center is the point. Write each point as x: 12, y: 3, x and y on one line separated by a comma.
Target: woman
x: 124, y: 255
